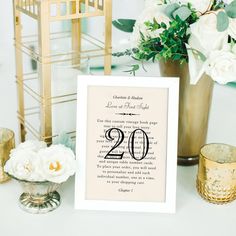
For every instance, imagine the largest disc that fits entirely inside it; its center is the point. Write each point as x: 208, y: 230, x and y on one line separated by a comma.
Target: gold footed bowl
x: 39, y: 197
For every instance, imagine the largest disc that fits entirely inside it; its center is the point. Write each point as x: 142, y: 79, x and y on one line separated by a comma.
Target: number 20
x: 131, y: 144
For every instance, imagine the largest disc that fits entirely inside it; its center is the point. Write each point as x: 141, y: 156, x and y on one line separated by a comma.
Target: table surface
x: 194, y: 216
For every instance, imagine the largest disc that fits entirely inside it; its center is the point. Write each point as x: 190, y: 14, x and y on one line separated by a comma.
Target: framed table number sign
x: 126, y: 143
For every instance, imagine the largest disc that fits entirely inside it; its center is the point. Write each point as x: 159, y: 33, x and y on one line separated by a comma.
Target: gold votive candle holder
x: 7, y: 143
x: 216, y: 179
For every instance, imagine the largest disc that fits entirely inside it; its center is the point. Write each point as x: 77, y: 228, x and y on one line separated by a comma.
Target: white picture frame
x: 84, y: 185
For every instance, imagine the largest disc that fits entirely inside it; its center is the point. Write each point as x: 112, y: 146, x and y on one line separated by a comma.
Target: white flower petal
x: 57, y: 163
x: 221, y: 66
x: 196, y: 66
x: 31, y: 145
x: 23, y: 165
x: 232, y: 28
x: 204, y: 34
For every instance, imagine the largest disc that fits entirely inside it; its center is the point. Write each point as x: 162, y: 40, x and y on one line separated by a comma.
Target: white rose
x: 31, y: 145
x: 204, y: 34
x: 221, y: 66
x: 57, y: 163
x: 23, y: 165
x: 232, y: 28
x: 199, y: 5
x: 148, y: 15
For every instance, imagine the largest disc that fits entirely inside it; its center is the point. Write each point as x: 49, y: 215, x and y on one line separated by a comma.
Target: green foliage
x: 218, y: 5
x: 231, y: 9
x: 133, y: 70
x: 65, y: 140
x: 170, y: 9
x: 152, y: 26
x: 127, y: 52
x: 232, y: 43
x: 183, y: 13
x: 125, y: 25
x: 222, y: 21
x: 223, y: 16
x: 170, y: 45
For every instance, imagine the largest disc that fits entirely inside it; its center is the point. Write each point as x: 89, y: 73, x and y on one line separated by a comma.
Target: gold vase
x: 194, y: 106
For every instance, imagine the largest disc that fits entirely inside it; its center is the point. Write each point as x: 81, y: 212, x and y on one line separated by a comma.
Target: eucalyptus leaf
x: 133, y: 70
x: 125, y: 25
x: 222, y: 21
x: 231, y: 9
x: 183, y: 13
x: 65, y: 140
x: 170, y: 9
x: 201, y: 56
x: 168, y: 45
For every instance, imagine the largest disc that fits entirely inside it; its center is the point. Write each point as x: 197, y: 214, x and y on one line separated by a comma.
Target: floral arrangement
x: 34, y: 161
x: 199, y: 32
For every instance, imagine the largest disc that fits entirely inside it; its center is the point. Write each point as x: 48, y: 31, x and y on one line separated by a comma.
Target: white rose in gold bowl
x: 40, y: 171
x: 221, y: 66
x: 57, y: 163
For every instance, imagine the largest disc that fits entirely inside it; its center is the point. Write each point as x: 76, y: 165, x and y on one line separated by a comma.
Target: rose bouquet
x: 199, y: 32
x: 33, y: 161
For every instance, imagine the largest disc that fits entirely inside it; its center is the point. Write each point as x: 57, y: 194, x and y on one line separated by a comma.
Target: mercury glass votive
x: 216, y: 179
x: 7, y: 143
